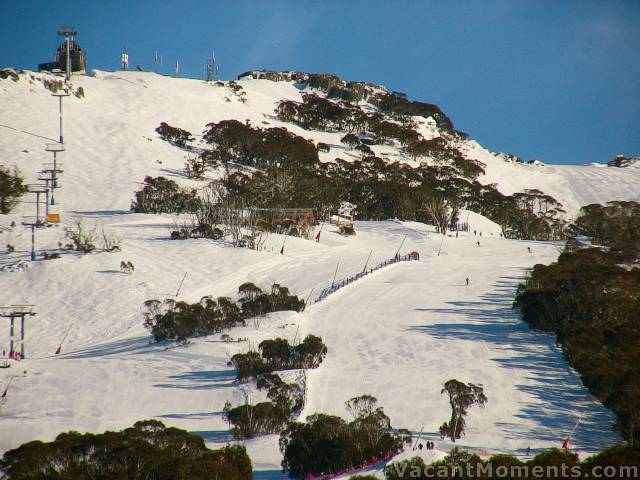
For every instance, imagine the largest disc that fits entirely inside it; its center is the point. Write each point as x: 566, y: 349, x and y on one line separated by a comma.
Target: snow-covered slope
x: 112, y: 144
x: 397, y: 334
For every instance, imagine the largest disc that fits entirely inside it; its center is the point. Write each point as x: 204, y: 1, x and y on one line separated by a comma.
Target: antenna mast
x: 211, y: 70
x: 124, y: 59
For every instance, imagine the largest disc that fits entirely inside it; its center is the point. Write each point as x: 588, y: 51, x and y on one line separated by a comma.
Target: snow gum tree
x: 461, y: 397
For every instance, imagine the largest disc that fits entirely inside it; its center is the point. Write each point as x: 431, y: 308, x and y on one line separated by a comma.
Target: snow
x: 397, y: 334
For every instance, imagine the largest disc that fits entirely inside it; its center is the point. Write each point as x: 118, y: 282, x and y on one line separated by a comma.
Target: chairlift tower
x: 32, y: 223
x: 14, y: 312
x: 69, y: 34
x: 38, y: 189
x: 45, y: 177
x: 61, y: 95
x: 49, y: 175
x: 54, y: 169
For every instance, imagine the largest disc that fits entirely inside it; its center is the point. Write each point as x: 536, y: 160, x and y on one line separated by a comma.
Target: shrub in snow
x: 9, y: 73
x: 146, y: 450
x: 285, y: 400
x: 277, y: 354
x: 82, y: 238
x: 350, y: 140
x: 126, y: 267
x: 12, y: 187
x: 162, y: 195
x: 364, y: 150
x: 250, y: 420
x: 237, y: 142
x: 110, y: 242
x: 397, y: 105
x: 174, y: 135
x: 180, y: 321
x: 323, y: 147
x: 256, y: 302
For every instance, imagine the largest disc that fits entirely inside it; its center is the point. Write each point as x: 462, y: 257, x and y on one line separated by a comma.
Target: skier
x: 529, y: 249
x: 478, y: 242
x: 474, y: 232
x: 467, y: 280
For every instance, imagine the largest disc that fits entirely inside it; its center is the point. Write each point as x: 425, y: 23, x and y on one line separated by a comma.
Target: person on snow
x: 478, y: 242
x: 467, y: 280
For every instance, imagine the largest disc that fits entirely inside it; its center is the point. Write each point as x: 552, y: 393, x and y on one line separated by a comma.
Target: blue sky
x: 548, y: 79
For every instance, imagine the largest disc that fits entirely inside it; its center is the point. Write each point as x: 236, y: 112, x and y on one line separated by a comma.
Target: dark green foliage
x: 326, y: 444
x: 591, y: 301
x: 285, y: 400
x: 172, y: 320
x: 287, y: 396
x: 350, y: 140
x: 12, y: 187
x: 277, y: 354
x: 323, y: 147
x: 318, y: 113
x: 617, y: 456
x: 336, y: 88
x: 380, y: 189
x: 285, y: 171
x: 9, y: 73
x: 148, y: 450
x: 249, y: 365
x: 553, y: 463
x: 615, y: 225
x: 461, y: 397
x: 162, y: 195
x: 255, y: 302
x: 527, y: 215
x: 396, y: 104
x: 253, y: 420
x: 237, y: 142
x: 386, y: 190
x: 174, y: 135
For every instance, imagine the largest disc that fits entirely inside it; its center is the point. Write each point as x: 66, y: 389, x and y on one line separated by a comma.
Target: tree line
x: 146, y: 451
x: 590, y: 298
x: 620, y: 461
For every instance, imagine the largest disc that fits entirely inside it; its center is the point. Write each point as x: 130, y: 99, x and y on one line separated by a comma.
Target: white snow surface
x: 397, y: 334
